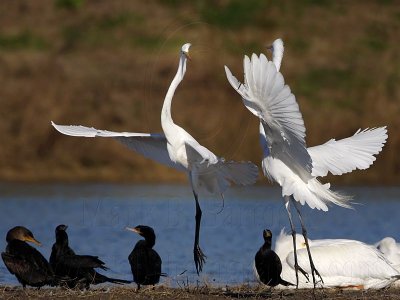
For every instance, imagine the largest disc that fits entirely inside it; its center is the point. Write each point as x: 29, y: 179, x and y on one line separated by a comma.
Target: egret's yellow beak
x: 187, y: 55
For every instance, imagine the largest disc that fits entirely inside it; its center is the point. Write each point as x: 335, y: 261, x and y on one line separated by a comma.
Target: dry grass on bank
x: 240, y: 292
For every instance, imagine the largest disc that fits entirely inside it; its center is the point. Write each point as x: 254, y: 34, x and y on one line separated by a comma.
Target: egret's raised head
x: 21, y: 233
x: 185, y: 50
x: 277, y: 49
x: 277, y: 46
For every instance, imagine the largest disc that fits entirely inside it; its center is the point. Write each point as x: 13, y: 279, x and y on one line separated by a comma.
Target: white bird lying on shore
x: 341, y: 263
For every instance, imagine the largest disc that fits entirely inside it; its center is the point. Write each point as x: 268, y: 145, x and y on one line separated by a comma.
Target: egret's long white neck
x: 263, y: 141
x: 166, y: 119
x: 277, y: 53
x: 277, y: 49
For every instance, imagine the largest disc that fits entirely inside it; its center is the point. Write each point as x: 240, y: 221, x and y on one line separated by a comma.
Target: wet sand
x: 240, y: 292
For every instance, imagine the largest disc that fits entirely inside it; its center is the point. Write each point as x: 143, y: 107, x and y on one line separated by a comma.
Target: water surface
x: 98, y: 213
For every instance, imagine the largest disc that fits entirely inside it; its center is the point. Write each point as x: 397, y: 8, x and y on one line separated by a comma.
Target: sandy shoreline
x: 161, y: 292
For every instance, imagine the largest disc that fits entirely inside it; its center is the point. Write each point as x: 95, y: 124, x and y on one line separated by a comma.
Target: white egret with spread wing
x: 176, y: 148
x: 286, y: 158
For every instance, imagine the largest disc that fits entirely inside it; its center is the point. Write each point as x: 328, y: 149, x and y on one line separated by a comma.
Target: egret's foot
x: 305, y: 274
x: 199, y: 258
x: 315, y: 273
x: 319, y: 275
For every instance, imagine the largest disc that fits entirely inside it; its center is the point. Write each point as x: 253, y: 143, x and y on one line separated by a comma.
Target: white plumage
x: 341, y: 262
x: 178, y: 149
x: 286, y: 158
x: 346, y: 155
x: 390, y: 249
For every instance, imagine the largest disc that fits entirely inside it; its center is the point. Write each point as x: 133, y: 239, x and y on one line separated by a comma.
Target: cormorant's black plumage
x: 268, y: 263
x: 25, y: 262
x: 144, y: 260
x: 79, y: 269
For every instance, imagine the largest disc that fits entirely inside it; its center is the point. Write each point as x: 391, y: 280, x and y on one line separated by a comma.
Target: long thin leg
x: 314, y: 271
x: 199, y: 257
x: 296, y: 265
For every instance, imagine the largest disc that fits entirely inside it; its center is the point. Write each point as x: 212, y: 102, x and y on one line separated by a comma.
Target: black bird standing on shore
x: 268, y: 263
x: 79, y: 269
x: 25, y: 262
x: 144, y: 260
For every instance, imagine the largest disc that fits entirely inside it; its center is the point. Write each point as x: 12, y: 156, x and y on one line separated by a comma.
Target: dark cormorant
x: 25, y: 262
x: 268, y: 264
x: 144, y: 260
x: 79, y: 269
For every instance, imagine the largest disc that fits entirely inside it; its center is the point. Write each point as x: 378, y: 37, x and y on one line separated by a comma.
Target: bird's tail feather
x: 325, y: 194
x: 100, y: 278
x: 314, y: 193
x: 118, y: 281
x: 285, y: 283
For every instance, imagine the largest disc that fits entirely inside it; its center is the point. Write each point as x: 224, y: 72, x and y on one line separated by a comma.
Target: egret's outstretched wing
x: 265, y: 94
x: 214, y: 174
x: 345, y: 155
x: 153, y: 146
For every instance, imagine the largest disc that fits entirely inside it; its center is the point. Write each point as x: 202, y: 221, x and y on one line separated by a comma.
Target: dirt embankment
x: 203, y: 293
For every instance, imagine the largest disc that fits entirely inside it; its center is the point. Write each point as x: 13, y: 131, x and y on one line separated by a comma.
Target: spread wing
x: 265, y: 94
x: 346, y: 155
x: 152, y: 146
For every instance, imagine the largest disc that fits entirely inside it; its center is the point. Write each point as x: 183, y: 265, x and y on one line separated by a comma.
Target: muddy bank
x: 242, y: 292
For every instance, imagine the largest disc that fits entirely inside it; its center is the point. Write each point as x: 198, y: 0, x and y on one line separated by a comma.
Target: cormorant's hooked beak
x: 33, y: 240
x: 133, y: 229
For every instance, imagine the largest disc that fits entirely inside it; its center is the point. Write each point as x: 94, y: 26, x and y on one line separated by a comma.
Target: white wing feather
x: 265, y: 94
x: 152, y: 146
x: 346, y: 155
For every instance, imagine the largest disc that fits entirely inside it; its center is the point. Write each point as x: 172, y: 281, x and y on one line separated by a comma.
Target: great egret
x: 341, y: 262
x: 286, y: 159
x: 144, y: 260
x: 178, y: 149
x: 268, y: 266
x: 25, y: 262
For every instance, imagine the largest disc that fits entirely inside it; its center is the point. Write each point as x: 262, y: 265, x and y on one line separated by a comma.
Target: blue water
x: 98, y: 213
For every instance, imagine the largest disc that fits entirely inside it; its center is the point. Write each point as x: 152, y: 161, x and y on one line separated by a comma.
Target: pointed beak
x: 187, y: 55
x: 33, y: 240
x: 133, y: 229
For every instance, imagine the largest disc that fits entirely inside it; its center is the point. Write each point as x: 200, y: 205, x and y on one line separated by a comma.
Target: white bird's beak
x: 187, y: 55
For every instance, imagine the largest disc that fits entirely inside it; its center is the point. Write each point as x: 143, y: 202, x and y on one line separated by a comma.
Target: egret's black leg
x: 314, y: 271
x: 296, y: 265
x: 199, y: 257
